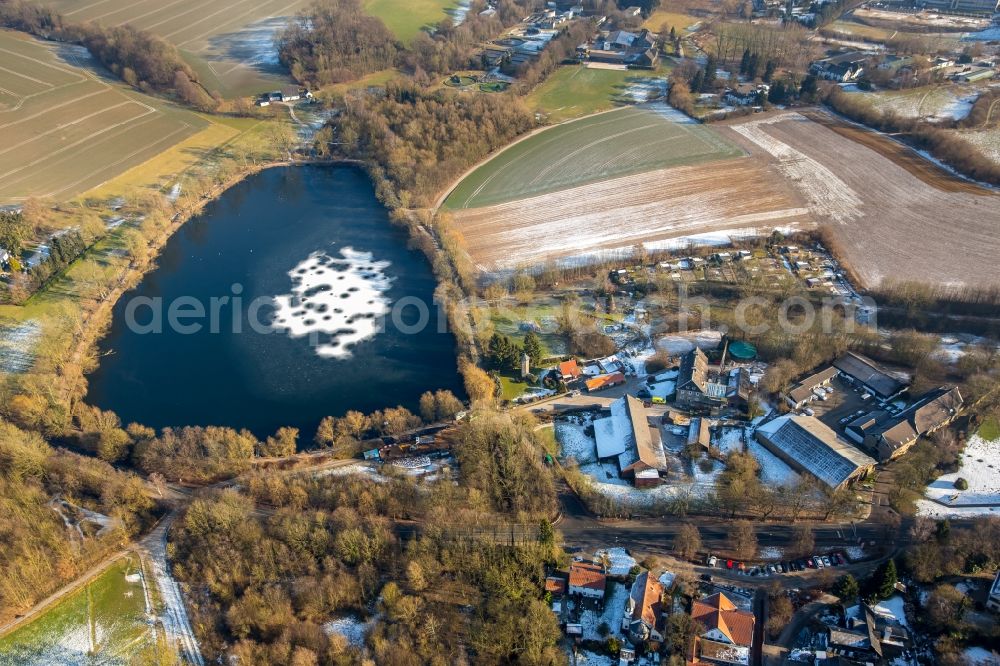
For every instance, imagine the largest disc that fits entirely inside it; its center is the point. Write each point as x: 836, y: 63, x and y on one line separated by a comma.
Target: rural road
x: 173, y: 615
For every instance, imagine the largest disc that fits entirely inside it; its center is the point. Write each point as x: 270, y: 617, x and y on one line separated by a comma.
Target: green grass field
x: 679, y: 22
x: 407, y: 19
x: 990, y: 430
x: 573, y: 91
x: 66, y: 130
x: 104, y: 622
x: 617, y: 143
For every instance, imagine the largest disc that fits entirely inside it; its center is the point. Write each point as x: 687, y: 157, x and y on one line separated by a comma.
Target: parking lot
x: 841, y: 404
x: 832, y: 560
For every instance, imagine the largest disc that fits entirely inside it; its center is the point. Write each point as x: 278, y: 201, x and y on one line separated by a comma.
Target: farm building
x: 587, y: 580
x: 804, y: 391
x: 810, y: 447
x: 865, y: 372
x: 702, y: 388
x: 975, y: 74
x: 844, y: 67
x: 601, y: 382
x: 889, y: 436
x: 698, y: 434
x: 620, y: 47
x: 728, y: 635
x: 628, y: 437
x: 644, y: 610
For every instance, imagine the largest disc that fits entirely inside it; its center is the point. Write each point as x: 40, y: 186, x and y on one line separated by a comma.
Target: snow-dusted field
x: 934, y: 103
x: 980, y: 466
x: 828, y: 196
x: 17, y: 344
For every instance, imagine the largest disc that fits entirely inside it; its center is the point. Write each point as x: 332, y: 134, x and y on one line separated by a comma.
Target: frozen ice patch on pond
x: 338, y: 301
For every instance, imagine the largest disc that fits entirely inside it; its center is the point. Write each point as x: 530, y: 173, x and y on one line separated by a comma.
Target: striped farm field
x: 67, y: 129
x: 607, y: 145
x: 230, y: 43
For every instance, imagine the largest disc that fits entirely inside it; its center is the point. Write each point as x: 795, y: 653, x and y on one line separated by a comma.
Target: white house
x: 587, y: 580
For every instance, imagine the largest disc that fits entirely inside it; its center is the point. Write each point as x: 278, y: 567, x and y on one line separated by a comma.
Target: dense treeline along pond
x: 290, y: 298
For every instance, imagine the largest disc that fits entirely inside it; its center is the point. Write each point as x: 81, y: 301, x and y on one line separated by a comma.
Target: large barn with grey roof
x: 811, y: 447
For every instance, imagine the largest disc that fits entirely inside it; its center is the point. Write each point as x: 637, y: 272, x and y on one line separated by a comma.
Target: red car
x: 729, y: 564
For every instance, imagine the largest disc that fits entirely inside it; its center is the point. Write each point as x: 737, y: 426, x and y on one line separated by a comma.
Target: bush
x: 961, y: 484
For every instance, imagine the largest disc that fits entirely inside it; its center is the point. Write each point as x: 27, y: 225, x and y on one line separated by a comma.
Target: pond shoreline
x: 94, y: 327
x: 321, y: 232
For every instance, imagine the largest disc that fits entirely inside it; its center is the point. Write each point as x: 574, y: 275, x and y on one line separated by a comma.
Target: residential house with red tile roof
x: 728, y: 635
x: 587, y: 580
x: 645, y: 610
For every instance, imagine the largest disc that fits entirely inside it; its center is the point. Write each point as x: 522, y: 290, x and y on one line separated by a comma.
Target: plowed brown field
x: 894, y: 221
x: 897, y: 215
x: 616, y: 214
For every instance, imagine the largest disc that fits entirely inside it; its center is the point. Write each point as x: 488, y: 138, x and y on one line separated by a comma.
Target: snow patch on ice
x: 338, y: 301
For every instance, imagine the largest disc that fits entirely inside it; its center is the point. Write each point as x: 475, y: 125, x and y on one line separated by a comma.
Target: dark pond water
x: 310, y: 248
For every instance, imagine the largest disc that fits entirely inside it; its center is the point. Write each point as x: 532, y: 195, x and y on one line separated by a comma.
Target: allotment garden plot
x: 621, y: 142
x: 66, y: 129
x: 229, y: 42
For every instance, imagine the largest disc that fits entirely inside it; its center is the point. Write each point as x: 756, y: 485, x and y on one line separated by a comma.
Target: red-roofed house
x: 587, y: 580
x: 645, y: 610
x: 570, y: 369
x: 728, y: 634
x: 556, y: 585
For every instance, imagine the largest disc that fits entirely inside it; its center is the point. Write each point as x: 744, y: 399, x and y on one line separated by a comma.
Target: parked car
x: 808, y: 412
x: 826, y: 561
x: 729, y: 564
x: 810, y: 563
x: 707, y: 578
x: 712, y: 560
x: 840, y: 559
x: 819, y: 561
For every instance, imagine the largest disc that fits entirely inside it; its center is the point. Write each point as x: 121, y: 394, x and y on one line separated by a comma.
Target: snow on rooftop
x: 892, y: 609
x: 773, y: 470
